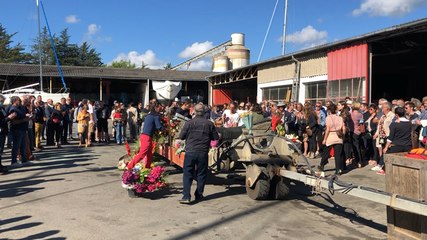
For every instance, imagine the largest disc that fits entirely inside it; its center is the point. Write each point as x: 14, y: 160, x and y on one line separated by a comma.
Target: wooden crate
x: 406, y: 177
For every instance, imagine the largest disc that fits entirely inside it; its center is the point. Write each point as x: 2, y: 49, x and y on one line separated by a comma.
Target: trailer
x: 272, y: 162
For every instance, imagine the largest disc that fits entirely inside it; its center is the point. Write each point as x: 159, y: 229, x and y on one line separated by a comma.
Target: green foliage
x: 123, y: 64
x: 69, y: 54
x: 9, y: 53
x: 168, y: 66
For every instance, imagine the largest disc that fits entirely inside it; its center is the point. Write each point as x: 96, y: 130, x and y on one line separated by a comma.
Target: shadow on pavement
x: 224, y: 221
x: 301, y: 192
x: 24, y: 226
x: 21, y: 188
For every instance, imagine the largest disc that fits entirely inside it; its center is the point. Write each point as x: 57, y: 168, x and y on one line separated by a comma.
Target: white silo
x: 220, y: 63
x: 237, y: 53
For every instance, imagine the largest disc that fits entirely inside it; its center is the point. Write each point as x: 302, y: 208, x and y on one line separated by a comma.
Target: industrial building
x: 106, y: 84
x: 387, y: 63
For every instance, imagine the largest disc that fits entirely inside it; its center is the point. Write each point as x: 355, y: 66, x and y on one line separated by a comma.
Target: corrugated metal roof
x: 417, y: 25
x: 29, y: 70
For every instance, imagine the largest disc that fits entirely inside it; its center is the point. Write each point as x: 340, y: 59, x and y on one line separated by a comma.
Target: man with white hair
x: 198, y: 134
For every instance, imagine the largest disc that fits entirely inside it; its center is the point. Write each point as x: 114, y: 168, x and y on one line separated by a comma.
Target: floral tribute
x: 141, y: 179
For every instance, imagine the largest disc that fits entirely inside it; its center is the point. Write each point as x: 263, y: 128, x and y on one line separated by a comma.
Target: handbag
x: 339, y: 132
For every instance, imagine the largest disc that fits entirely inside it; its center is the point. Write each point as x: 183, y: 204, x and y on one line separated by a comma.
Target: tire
x: 279, y: 188
x: 260, y: 190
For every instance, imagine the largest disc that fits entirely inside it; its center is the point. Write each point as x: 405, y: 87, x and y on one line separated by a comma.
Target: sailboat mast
x: 284, y: 28
x: 40, y: 47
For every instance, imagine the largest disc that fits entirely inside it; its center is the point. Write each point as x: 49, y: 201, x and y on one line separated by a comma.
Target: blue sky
x: 158, y: 32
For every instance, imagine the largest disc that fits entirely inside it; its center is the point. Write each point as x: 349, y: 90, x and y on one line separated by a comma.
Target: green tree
x: 47, y: 55
x: 89, y: 56
x: 69, y: 54
x: 168, y: 66
x: 123, y: 64
x: 9, y: 53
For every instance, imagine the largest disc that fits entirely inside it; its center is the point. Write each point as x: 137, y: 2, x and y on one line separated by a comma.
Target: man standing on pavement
x: 198, y: 134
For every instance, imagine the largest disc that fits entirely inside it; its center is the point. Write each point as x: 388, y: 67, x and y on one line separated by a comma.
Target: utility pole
x: 284, y: 28
x: 40, y: 47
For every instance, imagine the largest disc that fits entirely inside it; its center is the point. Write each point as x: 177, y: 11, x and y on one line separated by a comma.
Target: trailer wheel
x: 260, y: 190
x: 279, y: 188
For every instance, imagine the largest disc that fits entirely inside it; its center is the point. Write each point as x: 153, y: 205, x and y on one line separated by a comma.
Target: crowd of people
x: 359, y: 133
x: 28, y: 121
x: 355, y: 133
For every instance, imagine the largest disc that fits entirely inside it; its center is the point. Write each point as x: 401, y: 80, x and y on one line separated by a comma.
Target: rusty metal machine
x: 263, y: 155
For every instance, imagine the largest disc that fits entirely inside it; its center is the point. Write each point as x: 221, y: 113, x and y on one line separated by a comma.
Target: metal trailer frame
x: 371, y: 194
x: 329, y: 183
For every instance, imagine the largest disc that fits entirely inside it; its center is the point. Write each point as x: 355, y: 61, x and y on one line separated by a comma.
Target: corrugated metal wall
x: 221, y: 96
x: 350, y: 62
x: 313, y: 65
x: 316, y: 65
x: 276, y: 71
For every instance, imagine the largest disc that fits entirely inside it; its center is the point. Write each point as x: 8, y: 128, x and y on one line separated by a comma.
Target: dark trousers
x: 356, y: 141
x: 70, y: 128
x: 195, y: 166
x: 50, y: 134
x: 57, y: 132
x: 64, y: 132
x: 2, y: 141
x: 19, y: 137
x: 319, y: 138
x: 338, y: 154
x: 312, y: 143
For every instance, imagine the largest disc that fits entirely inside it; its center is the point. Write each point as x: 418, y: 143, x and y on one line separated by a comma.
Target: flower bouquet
x: 139, y: 179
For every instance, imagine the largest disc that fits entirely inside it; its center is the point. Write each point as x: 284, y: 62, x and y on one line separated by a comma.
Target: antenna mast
x: 284, y: 28
x: 40, y: 46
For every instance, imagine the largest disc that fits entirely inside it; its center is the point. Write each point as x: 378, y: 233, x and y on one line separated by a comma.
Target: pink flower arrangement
x: 144, y: 179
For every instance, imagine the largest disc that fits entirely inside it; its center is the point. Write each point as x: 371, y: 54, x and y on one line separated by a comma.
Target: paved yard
x: 75, y: 193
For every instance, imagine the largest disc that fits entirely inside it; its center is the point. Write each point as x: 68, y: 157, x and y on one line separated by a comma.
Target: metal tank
x: 237, y: 53
x: 220, y: 63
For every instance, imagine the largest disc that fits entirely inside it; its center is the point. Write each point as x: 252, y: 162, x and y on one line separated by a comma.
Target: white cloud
x: 148, y: 58
x: 388, y: 7
x: 93, y: 29
x: 196, y: 49
x: 93, y: 35
x: 72, y: 19
x: 308, y: 37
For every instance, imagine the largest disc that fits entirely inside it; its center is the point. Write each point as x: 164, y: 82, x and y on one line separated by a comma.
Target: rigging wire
x: 268, y: 30
x: 53, y: 47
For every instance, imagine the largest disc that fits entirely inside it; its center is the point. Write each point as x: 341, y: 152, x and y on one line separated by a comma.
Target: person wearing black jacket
x: 65, y: 110
x: 56, y: 121
x: 102, y: 114
x: 38, y: 123
x: 19, y: 126
x: 4, y: 129
x: 49, y: 123
x: 399, y: 139
x: 198, y: 134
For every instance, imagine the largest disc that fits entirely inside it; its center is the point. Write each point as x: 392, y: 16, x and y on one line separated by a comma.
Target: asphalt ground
x: 76, y: 193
